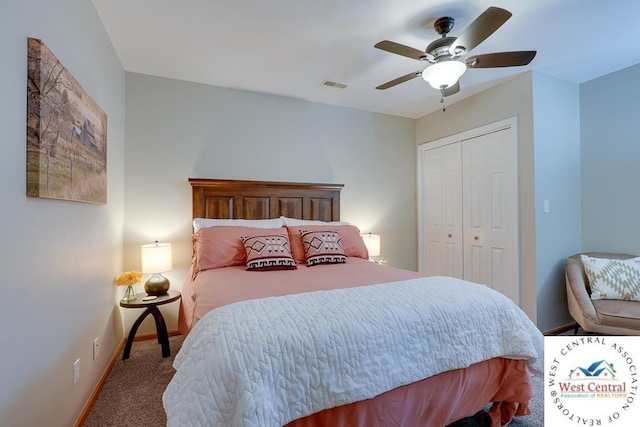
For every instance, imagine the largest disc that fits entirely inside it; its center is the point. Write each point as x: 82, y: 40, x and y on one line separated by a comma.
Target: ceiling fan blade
x: 399, y: 80
x: 400, y: 49
x: 451, y: 90
x: 483, y: 26
x: 501, y: 59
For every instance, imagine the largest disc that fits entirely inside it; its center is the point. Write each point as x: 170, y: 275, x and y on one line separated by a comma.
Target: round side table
x: 151, y: 308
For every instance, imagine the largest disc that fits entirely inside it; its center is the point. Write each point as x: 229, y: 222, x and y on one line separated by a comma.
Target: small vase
x: 129, y: 294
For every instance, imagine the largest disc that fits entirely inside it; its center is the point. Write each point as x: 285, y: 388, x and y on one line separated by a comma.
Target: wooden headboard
x: 237, y: 199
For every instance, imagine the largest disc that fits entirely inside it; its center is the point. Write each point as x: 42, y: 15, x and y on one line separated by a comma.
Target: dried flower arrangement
x: 129, y: 278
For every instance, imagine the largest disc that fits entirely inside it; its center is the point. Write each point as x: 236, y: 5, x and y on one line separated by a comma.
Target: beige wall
x: 176, y: 130
x: 59, y: 258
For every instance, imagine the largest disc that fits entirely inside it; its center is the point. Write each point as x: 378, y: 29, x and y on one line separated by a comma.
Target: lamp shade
x: 372, y: 242
x: 156, y: 258
x: 444, y: 74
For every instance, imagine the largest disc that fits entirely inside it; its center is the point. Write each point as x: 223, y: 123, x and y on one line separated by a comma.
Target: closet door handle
x: 476, y: 238
x: 450, y: 235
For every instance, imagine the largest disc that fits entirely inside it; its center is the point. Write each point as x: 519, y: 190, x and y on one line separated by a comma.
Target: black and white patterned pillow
x: 322, y: 247
x: 268, y: 252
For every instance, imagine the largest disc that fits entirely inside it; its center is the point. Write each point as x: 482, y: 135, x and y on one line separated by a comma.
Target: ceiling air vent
x: 334, y: 84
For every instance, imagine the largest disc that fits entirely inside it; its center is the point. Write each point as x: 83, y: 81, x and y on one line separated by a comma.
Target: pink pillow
x: 350, y: 238
x: 322, y: 247
x: 268, y: 251
x: 216, y: 247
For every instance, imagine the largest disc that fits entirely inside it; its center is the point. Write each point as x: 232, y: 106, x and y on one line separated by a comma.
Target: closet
x: 468, y: 207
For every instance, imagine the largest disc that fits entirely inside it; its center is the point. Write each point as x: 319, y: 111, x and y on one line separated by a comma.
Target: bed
x: 324, y: 337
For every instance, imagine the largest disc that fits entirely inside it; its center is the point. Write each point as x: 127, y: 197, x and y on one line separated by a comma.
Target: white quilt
x: 266, y: 362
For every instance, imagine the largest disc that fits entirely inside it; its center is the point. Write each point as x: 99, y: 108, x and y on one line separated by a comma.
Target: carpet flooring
x: 132, y: 394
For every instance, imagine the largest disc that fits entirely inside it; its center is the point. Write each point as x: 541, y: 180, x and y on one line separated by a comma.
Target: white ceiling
x: 290, y: 47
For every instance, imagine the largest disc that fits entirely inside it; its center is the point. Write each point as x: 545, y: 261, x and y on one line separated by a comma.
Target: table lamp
x: 156, y: 259
x: 372, y: 242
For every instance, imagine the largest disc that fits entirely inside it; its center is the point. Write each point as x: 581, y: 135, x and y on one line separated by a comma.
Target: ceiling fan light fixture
x: 444, y: 74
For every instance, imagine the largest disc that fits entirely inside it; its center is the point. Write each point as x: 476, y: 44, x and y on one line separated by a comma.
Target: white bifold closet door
x: 489, y: 187
x: 443, y: 187
x: 469, y: 210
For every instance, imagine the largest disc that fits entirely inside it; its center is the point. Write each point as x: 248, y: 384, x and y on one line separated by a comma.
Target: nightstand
x: 151, y: 308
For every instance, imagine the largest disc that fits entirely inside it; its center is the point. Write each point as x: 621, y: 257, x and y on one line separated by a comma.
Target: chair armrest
x: 578, y: 288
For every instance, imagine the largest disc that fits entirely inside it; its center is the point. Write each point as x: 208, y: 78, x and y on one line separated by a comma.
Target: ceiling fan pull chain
x: 444, y: 108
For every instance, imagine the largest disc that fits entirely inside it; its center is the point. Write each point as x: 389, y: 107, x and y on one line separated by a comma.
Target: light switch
x: 546, y: 206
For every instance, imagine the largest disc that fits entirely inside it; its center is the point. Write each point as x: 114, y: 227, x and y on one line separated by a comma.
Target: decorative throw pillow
x: 221, y: 246
x: 268, y: 252
x: 613, y: 278
x: 322, y: 247
x: 350, y: 240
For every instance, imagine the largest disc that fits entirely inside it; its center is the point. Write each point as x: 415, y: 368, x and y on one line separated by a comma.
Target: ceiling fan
x: 445, y: 54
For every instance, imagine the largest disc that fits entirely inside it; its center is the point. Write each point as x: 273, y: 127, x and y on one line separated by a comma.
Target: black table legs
x: 161, y: 329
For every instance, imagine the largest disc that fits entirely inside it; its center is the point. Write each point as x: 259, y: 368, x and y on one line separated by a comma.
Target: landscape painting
x: 66, y: 133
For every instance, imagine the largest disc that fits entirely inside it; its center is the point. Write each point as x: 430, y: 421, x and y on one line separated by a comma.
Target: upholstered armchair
x: 603, y: 316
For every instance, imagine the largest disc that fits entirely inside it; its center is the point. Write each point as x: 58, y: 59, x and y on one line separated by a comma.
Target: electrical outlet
x: 95, y: 348
x: 76, y: 372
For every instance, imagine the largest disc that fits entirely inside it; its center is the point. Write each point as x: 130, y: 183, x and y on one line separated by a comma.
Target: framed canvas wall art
x: 66, y: 133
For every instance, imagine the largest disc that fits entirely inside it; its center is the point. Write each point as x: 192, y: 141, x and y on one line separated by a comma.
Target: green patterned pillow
x: 613, y: 278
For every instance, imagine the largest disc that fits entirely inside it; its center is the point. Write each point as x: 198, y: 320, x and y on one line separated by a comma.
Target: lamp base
x: 157, y: 285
